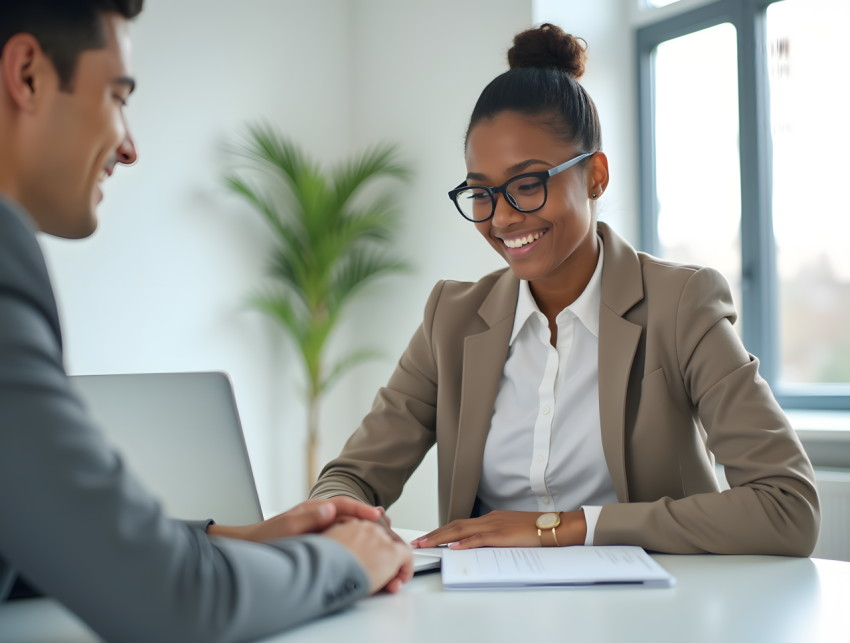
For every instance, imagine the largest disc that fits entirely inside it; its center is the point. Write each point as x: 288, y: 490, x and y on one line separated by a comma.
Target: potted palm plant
x: 329, y: 241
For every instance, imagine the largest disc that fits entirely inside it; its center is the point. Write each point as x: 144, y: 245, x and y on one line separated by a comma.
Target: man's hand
x: 311, y: 517
x: 504, y: 529
x: 387, y: 560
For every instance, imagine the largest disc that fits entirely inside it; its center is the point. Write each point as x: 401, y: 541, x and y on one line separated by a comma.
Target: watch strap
x: 554, y: 536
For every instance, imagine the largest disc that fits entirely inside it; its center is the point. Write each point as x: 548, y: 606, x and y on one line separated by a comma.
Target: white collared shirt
x: 544, y: 449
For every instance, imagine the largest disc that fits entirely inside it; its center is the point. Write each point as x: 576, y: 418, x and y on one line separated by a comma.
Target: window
x: 696, y: 152
x: 811, y: 219
x: 743, y: 156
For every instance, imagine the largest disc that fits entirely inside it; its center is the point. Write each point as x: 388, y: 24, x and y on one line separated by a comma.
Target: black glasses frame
x: 543, y: 176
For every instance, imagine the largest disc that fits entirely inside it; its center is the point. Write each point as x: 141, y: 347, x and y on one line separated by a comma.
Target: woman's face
x: 563, y: 230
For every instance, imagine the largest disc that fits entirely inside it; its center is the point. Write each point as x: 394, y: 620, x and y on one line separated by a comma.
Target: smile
x: 523, y: 241
x: 524, y: 244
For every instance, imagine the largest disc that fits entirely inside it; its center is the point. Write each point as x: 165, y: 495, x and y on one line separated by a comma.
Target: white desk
x: 718, y: 599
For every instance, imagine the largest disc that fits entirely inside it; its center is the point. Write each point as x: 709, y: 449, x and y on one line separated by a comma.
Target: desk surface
x: 717, y: 598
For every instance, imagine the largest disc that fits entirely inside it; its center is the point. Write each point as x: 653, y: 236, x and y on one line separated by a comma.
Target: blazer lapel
x: 484, y: 357
x: 622, y: 288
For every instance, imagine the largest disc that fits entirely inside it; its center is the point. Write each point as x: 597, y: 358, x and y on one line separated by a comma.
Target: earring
x: 593, y: 196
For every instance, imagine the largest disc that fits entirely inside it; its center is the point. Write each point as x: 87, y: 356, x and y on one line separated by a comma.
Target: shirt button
x: 540, y: 458
x: 545, y: 501
x: 546, y: 410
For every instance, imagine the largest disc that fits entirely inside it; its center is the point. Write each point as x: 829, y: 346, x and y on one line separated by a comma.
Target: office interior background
x: 698, y: 175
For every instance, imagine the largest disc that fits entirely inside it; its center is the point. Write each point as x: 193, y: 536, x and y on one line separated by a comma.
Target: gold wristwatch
x: 548, y: 521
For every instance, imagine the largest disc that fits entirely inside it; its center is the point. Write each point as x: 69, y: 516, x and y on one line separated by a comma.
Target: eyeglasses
x: 525, y: 192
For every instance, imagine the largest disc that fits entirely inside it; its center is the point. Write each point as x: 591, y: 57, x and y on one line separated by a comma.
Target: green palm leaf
x: 328, y: 243
x: 378, y: 222
x: 281, y: 309
x: 256, y: 199
x: 346, y: 364
x: 350, y: 176
x: 358, y: 268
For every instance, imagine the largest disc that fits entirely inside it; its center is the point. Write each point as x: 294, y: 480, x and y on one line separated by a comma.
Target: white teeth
x: 523, y: 241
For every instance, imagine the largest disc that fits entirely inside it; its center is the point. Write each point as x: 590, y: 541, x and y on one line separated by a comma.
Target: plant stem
x: 312, y: 438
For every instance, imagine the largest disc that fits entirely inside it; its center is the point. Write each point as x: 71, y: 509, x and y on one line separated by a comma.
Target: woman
x: 581, y: 395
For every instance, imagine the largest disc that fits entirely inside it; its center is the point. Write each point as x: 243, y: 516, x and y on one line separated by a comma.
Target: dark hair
x: 63, y: 28
x: 542, y: 83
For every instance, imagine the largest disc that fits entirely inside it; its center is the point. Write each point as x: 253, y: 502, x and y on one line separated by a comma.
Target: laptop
x: 180, y: 434
x: 423, y: 559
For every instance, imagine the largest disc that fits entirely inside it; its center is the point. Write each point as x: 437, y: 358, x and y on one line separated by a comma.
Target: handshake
x: 362, y: 530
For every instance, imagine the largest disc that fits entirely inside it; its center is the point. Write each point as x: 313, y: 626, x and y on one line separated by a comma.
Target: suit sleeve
x: 772, y: 506
x: 81, y: 529
x: 394, y: 437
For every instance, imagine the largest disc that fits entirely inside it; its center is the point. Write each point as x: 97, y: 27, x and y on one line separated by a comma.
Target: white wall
x: 162, y: 284
x: 419, y: 69
x: 427, y: 89
x: 609, y: 28
x: 610, y: 79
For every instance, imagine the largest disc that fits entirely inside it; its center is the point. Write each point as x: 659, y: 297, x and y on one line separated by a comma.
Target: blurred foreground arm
x: 361, y: 529
x: 311, y: 517
x: 82, y: 529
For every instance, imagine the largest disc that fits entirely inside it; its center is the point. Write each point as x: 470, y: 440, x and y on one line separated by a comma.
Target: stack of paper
x: 490, y: 568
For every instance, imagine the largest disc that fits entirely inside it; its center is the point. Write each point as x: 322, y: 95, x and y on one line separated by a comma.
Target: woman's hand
x: 504, y: 529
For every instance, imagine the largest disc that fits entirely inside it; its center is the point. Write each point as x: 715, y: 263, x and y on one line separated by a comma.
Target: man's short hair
x: 63, y: 28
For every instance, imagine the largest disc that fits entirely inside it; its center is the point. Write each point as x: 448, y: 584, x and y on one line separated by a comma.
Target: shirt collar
x: 586, y: 307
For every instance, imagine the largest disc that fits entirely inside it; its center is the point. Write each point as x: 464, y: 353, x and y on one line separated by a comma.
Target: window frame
x: 759, y: 280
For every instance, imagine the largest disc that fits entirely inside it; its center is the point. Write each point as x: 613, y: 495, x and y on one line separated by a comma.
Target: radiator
x: 834, y: 493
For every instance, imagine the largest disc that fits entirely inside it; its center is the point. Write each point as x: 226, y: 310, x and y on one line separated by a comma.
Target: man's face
x: 75, y: 138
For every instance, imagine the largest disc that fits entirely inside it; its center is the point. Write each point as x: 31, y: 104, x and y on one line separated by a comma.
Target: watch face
x: 547, y: 521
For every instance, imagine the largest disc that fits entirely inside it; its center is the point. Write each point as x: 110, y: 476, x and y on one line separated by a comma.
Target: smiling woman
x: 581, y: 395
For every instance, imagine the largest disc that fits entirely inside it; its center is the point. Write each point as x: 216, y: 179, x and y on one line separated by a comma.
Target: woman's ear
x: 597, y: 176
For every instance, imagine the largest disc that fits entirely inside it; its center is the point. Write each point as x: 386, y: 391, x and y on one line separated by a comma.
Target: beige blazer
x: 675, y: 387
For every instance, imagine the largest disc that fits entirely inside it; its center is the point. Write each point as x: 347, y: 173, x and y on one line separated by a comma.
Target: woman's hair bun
x: 549, y: 46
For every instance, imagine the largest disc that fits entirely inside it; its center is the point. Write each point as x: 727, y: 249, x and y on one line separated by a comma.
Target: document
x: 512, y: 567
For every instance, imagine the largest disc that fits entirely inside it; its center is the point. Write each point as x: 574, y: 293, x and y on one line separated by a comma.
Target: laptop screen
x: 180, y: 434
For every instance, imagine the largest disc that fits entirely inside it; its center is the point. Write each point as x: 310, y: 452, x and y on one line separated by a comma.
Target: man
x: 73, y: 521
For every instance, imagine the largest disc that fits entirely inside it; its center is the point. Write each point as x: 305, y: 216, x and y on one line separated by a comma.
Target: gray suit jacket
x: 81, y: 529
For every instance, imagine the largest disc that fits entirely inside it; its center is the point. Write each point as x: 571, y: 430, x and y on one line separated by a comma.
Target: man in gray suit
x: 73, y: 521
